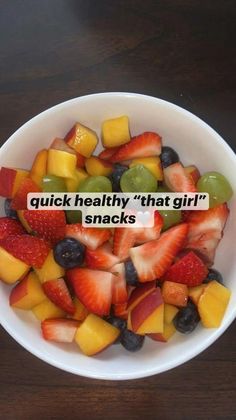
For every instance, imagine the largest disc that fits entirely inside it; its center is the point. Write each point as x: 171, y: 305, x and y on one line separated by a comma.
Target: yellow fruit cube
x: 115, y: 131
x: 82, y: 139
x: 50, y: 269
x: 47, y: 310
x: 11, y: 269
x: 72, y: 184
x: 39, y: 167
x: 154, y: 323
x: 80, y: 311
x: 195, y: 292
x: 153, y: 164
x: 98, y: 167
x: 212, y: 304
x: 61, y: 163
x: 169, y: 313
x: 27, y: 293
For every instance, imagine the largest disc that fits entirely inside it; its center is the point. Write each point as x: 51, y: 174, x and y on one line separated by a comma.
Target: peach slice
x: 148, y: 316
x: 10, y: 180
x: 28, y: 293
x: 50, y: 269
x: 168, y: 331
x: 82, y: 139
x: 140, y: 293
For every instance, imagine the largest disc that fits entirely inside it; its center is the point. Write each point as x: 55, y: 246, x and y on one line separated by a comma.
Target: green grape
x: 170, y: 218
x: 52, y: 183
x: 96, y: 184
x: 138, y: 179
x: 217, y: 186
x: 74, y: 216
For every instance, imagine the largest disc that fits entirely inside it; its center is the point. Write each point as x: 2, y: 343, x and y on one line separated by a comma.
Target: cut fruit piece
x: 195, y: 292
x: 50, y: 269
x: 193, y: 171
x: 95, y: 335
x: 98, y: 167
x: 47, y: 310
x: 138, y: 179
x: 48, y: 224
x: 82, y: 139
x: 60, y: 144
x: 145, y: 145
x: 177, y: 179
x: 148, y: 315
x: 106, y: 154
x: 123, y: 240
x: 140, y: 293
x: 93, y: 288
x: 39, y: 167
x: 53, y: 183
x: 80, y: 311
x: 175, y: 293
x: 101, y: 258
x: 80, y: 161
x: 153, y: 259
x: 20, y: 215
x: 149, y: 234
x: 72, y: 184
x: 169, y: 313
x: 57, y: 291
x: 9, y: 226
x: 90, y: 237
x: 119, y: 292
x: 213, y: 303
x: 26, y: 186
x: 153, y: 164
x: 120, y: 310
x: 168, y: 331
x: 61, y: 164
x: 10, y: 180
x: 11, y: 268
x: 59, y: 330
x: 189, y: 270
x: 28, y: 293
x: 115, y: 131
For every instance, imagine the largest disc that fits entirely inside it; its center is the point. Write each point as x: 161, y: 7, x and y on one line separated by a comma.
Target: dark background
x: 179, y: 50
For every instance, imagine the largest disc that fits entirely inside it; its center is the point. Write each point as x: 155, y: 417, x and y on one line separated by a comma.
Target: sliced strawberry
x: 101, y: 258
x: 123, y: 240
x: 48, y: 224
x: 120, y: 310
x: 19, y: 202
x: 144, y: 145
x: 90, y: 237
x: 93, y: 288
x: 153, y: 258
x: 59, y: 329
x: 57, y: 291
x: 60, y: 144
x: 189, y: 270
x: 10, y: 226
x: 106, y: 154
x: 204, y: 246
x: 119, y: 293
x: 29, y: 249
x: 149, y: 234
x: 177, y: 179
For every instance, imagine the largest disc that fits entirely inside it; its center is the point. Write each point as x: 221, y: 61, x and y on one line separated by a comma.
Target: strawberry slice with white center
x: 57, y: 291
x: 59, y: 329
x: 106, y: 154
x: 48, y: 224
x: 145, y: 145
x: 90, y: 237
x: 10, y: 226
x: 123, y: 240
x: 153, y: 258
x: 177, y: 179
x: 149, y: 234
x: 93, y: 288
x: 205, y: 246
x: 101, y: 258
x: 119, y: 294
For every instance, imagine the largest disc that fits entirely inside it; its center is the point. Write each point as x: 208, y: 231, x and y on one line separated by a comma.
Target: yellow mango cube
x: 50, y: 269
x: 115, y: 131
x: 195, y: 292
x: 80, y: 311
x: 169, y: 313
x: 39, y: 167
x: 153, y: 164
x: 61, y: 163
x: 98, y: 167
x: 212, y: 304
x: 27, y: 293
x: 72, y: 184
x: 11, y: 269
x: 47, y: 310
x: 82, y: 139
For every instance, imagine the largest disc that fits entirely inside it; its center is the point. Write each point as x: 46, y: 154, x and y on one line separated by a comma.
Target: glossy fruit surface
x: 69, y: 253
x: 131, y: 341
x: 168, y: 156
x: 217, y: 186
x: 53, y: 183
x: 95, y: 184
x: 214, y: 275
x: 170, y: 218
x: 187, y: 318
x: 116, y: 176
x: 138, y: 179
x: 131, y: 275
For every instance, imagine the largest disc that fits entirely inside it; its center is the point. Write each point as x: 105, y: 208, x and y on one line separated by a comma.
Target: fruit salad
x: 98, y: 286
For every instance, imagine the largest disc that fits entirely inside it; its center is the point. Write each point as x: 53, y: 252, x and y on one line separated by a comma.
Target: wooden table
x: 179, y: 50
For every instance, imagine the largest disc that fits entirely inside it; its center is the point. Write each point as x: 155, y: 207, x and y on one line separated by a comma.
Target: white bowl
x: 196, y: 143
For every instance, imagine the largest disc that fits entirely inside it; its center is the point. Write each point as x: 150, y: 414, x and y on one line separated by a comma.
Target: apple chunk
x: 28, y: 293
x: 95, y: 335
x: 148, y: 316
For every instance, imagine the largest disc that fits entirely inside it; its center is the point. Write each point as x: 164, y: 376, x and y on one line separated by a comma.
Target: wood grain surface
x: 179, y: 50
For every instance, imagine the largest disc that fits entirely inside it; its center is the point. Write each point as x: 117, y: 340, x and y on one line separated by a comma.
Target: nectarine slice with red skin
x: 140, y: 293
x: 28, y: 293
x: 145, y: 308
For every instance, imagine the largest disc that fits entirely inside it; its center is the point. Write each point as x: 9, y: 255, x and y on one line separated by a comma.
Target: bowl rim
x: 181, y: 359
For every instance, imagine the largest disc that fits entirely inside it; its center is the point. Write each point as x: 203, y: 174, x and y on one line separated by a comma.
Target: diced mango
x: 61, y: 163
x: 115, y: 131
x: 80, y: 311
x: 72, y: 184
x: 11, y: 269
x: 213, y: 303
x: 39, y: 167
x: 98, y: 167
x: 169, y: 313
x: 50, y: 269
x: 47, y: 310
x: 168, y: 331
x: 195, y: 292
x: 153, y: 164
x: 27, y: 293
x: 175, y: 293
x: 82, y: 139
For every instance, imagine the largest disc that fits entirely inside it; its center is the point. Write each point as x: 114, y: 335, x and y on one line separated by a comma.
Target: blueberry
x: 8, y: 210
x: 116, y: 176
x: 118, y: 323
x: 131, y: 274
x: 187, y: 319
x: 69, y: 253
x: 131, y: 341
x: 213, y: 275
x: 168, y: 156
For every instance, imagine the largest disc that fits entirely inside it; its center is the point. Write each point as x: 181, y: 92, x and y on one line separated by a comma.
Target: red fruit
x: 153, y: 258
x: 48, y: 224
x: 149, y: 234
x: 106, y: 154
x: 119, y: 293
x: 189, y: 270
x: 57, y: 291
x: 80, y: 160
x: 177, y: 179
x: 60, y: 330
x: 123, y: 240
x: 10, y: 226
x: 19, y: 202
x: 93, y: 288
x: 101, y: 258
x: 29, y: 249
x: 90, y: 237
x: 144, y: 145
x: 205, y: 246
